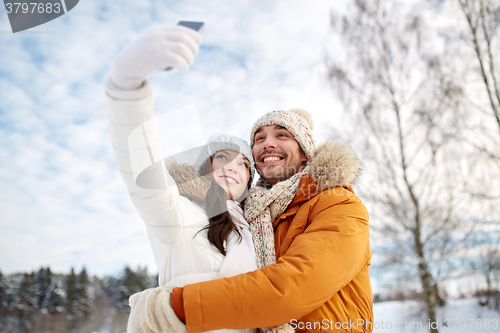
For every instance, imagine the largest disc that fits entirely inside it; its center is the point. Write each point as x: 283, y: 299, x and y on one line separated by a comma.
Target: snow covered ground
x: 461, y: 316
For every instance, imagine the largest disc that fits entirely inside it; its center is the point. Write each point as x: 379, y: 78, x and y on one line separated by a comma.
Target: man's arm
x: 322, y: 260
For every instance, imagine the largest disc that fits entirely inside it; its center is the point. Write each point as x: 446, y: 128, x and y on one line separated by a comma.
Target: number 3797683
x: 33, y: 7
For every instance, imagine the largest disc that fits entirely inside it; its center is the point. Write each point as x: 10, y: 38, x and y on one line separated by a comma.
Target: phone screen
x: 197, y: 26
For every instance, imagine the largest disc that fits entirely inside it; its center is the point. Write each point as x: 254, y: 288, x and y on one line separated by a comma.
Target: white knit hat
x: 223, y: 141
x: 296, y: 121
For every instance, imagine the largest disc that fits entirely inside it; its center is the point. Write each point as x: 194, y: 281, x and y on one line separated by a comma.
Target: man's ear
x: 303, y: 157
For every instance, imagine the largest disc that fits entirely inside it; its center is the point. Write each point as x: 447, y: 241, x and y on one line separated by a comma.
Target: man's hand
x: 158, y: 48
x: 151, y: 312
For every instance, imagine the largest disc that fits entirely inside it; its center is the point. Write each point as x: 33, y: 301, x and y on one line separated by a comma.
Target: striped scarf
x: 262, y: 207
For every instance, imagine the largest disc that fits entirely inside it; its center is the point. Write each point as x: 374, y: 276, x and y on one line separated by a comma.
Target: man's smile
x: 271, y: 159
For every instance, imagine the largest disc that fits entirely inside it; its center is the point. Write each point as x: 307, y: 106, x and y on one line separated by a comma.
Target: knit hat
x: 223, y: 141
x: 296, y: 121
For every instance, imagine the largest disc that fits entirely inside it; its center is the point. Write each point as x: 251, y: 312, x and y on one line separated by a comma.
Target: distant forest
x: 43, y: 301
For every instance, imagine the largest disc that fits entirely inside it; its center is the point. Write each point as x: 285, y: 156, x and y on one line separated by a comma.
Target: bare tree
x: 483, y: 19
x: 407, y: 111
x: 487, y: 265
x: 474, y: 25
x: 490, y: 266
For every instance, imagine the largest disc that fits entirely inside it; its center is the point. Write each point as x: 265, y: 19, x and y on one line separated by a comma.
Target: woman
x: 196, y: 228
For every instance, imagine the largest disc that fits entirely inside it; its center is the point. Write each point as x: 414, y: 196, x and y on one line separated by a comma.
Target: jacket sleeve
x: 319, y: 262
x: 128, y: 111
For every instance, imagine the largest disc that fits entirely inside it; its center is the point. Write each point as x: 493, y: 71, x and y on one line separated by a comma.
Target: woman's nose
x: 231, y: 167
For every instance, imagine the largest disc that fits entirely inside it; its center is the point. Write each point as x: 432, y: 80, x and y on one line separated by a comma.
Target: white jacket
x: 182, y: 255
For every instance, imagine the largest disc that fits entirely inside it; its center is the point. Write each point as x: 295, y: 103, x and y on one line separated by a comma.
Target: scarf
x: 262, y: 207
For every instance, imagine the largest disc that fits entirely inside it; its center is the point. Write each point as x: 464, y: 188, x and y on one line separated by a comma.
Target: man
x: 309, y: 229
x: 320, y: 281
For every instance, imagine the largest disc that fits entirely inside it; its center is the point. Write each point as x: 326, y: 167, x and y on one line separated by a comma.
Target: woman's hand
x: 157, y: 48
x: 151, y: 312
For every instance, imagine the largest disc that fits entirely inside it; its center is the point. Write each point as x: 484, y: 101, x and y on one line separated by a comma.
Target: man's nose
x: 269, y: 143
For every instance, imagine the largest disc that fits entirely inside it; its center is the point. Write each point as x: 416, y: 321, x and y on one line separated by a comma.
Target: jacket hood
x: 334, y: 164
x: 189, y: 182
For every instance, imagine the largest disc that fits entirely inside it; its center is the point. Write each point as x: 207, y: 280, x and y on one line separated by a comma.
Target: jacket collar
x: 308, y: 189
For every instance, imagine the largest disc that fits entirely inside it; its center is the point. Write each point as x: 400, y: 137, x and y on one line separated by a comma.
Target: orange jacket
x: 320, y: 282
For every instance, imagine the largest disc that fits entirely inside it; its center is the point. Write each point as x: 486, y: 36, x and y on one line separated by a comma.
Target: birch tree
x: 405, y: 110
x: 471, y: 28
x: 474, y: 25
x: 483, y: 21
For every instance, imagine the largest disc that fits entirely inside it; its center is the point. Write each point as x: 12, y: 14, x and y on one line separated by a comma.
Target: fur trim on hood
x: 189, y: 183
x: 334, y: 164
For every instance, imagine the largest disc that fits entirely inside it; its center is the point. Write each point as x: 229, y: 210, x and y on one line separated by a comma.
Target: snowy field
x: 462, y: 316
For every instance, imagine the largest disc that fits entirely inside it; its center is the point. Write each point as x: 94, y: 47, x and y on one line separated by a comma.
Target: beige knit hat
x: 296, y: 121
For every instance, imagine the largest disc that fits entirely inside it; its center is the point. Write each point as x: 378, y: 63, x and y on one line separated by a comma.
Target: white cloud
x: 62, y: 199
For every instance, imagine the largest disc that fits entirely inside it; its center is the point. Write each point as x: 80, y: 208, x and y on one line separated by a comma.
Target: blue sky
x: 62, y: 200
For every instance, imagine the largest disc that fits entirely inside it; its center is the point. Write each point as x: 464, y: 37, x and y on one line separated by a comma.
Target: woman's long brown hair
x: 220, y: 224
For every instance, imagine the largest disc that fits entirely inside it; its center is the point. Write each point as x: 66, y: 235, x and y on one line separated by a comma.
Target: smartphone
x: 196, y: 26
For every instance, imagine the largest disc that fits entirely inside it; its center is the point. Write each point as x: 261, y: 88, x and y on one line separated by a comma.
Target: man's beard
x: 275, y: 174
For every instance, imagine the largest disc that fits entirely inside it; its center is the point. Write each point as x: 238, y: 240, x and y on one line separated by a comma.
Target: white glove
x: 158, y: 48
x: 152, y: 312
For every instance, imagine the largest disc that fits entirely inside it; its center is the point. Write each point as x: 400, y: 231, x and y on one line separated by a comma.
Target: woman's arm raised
x: 130, y: 105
